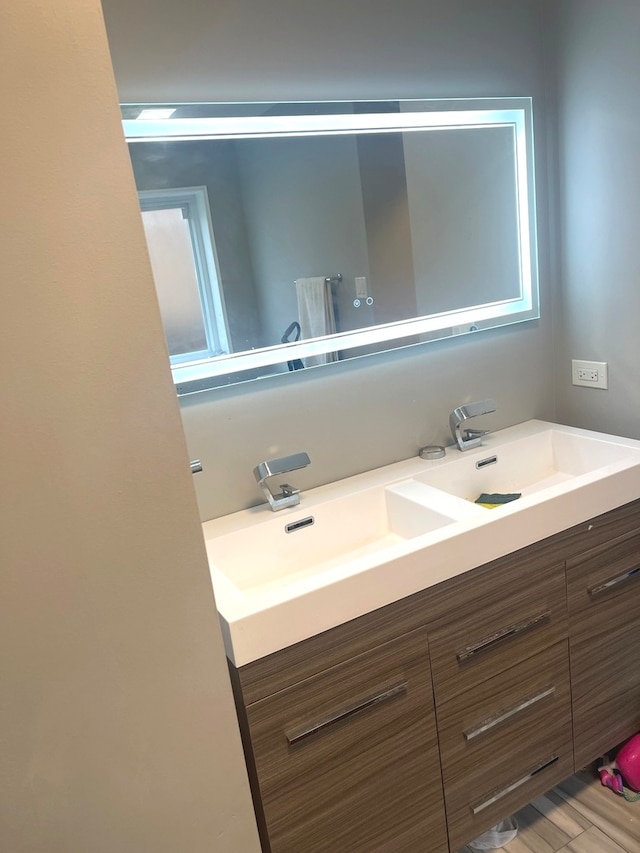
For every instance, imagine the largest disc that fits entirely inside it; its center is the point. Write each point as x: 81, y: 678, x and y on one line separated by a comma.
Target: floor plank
x: 593, y: 841
x: 557, y: 832
x: 528, y: 844
x: 613, y: 815
x: 562, y: 814
x: 538, y: 833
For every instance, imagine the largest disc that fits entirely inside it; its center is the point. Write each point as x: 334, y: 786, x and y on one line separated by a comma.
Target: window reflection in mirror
x: 403, y: 221
x: 179, y: 235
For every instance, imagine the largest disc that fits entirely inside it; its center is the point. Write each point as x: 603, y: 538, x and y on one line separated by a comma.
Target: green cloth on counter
x: 491, y: 501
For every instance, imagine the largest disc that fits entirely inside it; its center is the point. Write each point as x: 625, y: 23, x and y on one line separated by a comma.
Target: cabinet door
x: 604, y: 624
x: 348, y: 761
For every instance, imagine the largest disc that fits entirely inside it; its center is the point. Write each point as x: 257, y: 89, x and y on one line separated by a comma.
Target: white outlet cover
x: 582, y: 372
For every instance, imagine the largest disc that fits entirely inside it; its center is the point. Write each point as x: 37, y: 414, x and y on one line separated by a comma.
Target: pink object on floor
x: 610, y: 779
x: 628, y: 762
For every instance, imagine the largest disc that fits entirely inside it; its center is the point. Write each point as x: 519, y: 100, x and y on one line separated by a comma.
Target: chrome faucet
x: 470, y: 437
x: 288, y: 495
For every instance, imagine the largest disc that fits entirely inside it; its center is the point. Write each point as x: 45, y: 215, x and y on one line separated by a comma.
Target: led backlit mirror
x: 288, y: 235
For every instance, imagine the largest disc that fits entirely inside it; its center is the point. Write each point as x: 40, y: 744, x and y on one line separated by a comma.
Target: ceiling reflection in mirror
x: 284, y: 236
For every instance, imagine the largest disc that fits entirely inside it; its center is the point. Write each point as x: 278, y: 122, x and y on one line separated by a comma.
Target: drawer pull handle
x: 613, y: 582
x: 299, y: 734
x: 502, y: 792
x: 503, y: 716
x: 504, y: 634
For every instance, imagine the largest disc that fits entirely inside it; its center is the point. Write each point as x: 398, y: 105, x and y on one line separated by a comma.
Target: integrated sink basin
x: 359, y: 544
x: 530, y: 464
x: 287, y: 546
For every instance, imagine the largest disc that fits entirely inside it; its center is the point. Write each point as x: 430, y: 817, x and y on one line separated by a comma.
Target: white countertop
x: 261, y: 614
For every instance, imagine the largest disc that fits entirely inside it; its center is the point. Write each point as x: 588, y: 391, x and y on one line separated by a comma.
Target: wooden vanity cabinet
x: 466, y: 698
x: 505, y: 742
x: 485, y: 622
x: 347, y: 759
x: 604, y: 608
x: 500, y: 667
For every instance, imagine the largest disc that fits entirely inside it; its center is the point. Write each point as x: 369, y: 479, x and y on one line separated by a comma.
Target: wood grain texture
x: 281, y: 669
x: 487, y: 760
x: 593, y: 841
x: 372, y: 782
x: 367, y: 783
x: 537, y: 832
x: 598, y: 531
x: 464, y: 826
x: 524, y: 590
x: 432, y: 606
x: 578, y: 816
x: 614, y: 816
x: 555, y: 810
x: 605, y: 633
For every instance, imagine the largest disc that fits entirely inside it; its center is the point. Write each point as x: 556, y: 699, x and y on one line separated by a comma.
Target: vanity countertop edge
x: 256, y: 623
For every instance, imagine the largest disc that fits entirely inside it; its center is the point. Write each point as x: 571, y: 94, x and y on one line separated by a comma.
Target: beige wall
x: 116, y: 720
x: 356, y: 416
x: 599, y: 180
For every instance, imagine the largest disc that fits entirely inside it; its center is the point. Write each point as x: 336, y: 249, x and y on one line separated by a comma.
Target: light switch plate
x: 361, y: 287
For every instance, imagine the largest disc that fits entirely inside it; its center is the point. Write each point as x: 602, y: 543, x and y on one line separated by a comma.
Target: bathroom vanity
x: 467, y: 660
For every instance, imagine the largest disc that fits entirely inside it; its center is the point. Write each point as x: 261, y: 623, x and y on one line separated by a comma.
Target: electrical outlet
x: 587, y: 374
x: 590, y: 374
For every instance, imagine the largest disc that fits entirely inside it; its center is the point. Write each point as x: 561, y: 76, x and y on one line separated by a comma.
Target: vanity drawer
x: 599, y: 581
x: 491, y: 630
x: 604, y: 615
x: 505, y: 742
x: 470, y: 813
x: 348, y: 759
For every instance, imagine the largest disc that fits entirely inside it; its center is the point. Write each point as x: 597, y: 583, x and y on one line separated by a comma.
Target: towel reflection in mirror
x: 316, y: 314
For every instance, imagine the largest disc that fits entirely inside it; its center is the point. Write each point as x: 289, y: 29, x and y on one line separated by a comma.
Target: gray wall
x: 463, y: 197
x: 214, y: 166
x: 349, y: 417
x: 598, y: 48
x: 384, y: 191
x: 303, y: 204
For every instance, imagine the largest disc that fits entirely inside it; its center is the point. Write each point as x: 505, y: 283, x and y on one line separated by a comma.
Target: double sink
x: 371, y: 539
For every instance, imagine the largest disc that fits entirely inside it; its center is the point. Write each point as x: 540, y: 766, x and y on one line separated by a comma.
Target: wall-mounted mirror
x: 283, y: 236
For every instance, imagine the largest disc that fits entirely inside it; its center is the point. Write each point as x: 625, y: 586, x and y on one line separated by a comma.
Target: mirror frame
x: 286, y: 119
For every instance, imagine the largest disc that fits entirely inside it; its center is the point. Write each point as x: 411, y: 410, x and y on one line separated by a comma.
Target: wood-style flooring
x: 579, y: 816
